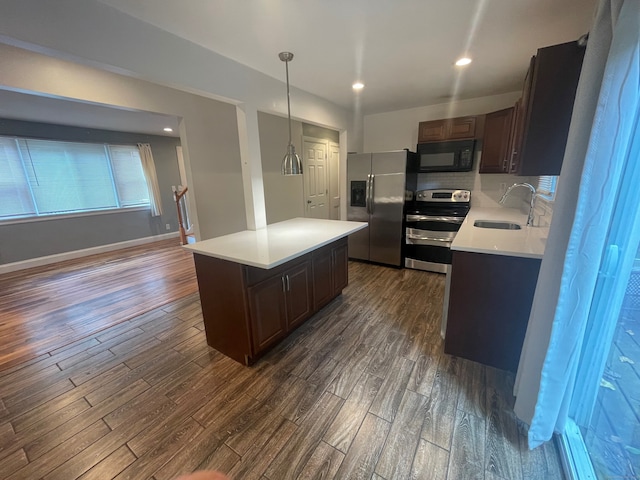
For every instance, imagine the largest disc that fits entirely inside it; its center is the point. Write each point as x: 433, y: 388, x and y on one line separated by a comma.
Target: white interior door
x: 334, y: 181
x: 316, y: 190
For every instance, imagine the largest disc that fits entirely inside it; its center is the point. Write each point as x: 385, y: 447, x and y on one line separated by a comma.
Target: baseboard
x: 59, y: 257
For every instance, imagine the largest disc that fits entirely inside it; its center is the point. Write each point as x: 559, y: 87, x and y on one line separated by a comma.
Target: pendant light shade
x: 291, y: 164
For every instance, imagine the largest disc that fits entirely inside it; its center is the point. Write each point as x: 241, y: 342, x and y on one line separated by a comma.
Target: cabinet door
x: 268, y: 311
x: 432, y: 131
x: 489, y: 304
x: 340, y: 268
x: 516, y: 137
x: 554, y: 80
x: 461, y: 128
x: 496, y: 143
x: 299, y: 295
x: 322, y: 278
x: 522, y: 110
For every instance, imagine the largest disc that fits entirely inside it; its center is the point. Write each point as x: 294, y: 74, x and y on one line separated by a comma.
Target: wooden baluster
x: 178, y: 197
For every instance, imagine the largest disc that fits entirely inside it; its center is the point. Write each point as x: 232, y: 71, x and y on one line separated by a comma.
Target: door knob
x: 308, y: 201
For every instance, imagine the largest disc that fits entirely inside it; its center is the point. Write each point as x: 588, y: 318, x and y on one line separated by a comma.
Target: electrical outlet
x: 503, y: 187
x: 168, y: 226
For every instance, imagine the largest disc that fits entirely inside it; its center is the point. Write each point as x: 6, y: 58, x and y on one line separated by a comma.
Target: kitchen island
x: 256, y: 286
x: 490, y: 289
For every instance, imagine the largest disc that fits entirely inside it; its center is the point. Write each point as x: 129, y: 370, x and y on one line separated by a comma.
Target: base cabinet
x: 247, y: 310
x: 340, y: 267
x: 330, y: 273
x: 298, y: 294
x: 489, y: 304
x: 268, y: 313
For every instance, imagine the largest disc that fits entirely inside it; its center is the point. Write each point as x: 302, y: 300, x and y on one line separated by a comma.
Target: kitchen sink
x: 496, y: 224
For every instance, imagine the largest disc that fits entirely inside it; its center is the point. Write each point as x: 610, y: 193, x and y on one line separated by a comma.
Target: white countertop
x: 528, y: 242
x: 276, y: 243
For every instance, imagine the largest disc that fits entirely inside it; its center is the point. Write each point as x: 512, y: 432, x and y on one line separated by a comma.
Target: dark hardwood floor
x: 362, y: 390
x: 44, y: 308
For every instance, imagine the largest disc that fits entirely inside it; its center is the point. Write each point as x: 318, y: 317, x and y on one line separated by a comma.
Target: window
x: 547, y: 187
x: 43, y: 177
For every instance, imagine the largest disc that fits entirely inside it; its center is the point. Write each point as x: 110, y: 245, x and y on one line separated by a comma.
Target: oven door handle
x: 431, y: 239
x: 434, y: 218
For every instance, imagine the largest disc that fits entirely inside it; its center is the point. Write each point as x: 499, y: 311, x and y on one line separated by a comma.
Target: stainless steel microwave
x: 456, y: 156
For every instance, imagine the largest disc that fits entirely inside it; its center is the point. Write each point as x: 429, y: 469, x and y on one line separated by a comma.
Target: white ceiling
x: 403, y: 50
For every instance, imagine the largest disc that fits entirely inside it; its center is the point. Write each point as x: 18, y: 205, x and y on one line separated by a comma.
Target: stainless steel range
x: 432, y: 220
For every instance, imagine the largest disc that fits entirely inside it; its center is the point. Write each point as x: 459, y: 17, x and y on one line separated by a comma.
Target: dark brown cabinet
x: 536, y: 138
x: 547, y: 104
x: 432, y: 131
x: 516, y: 136
x: 268, y: 307
x: 489, y: 304
x: 299, y: 296
x: 496, y: 148
x: 247, y: 310
x: 460, y: 128
x: 340, y: 264
x: 279, y: 304
x: 330, y: 273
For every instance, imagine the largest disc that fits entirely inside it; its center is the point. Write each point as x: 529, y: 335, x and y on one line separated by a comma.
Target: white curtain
x: 604, y: 114
x: 149, y: 168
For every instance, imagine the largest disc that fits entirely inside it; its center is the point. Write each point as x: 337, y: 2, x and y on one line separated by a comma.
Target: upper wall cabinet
x: 460, y: 128
x: 496, y: 144
x: 542, y: 122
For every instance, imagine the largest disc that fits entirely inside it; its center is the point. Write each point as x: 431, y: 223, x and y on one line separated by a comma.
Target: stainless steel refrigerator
x: 377, y: 187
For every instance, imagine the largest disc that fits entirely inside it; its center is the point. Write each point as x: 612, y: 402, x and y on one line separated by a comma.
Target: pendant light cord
x: 286, y: 65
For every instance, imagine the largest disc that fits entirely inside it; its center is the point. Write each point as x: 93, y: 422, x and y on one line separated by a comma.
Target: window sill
x: 71, y: 215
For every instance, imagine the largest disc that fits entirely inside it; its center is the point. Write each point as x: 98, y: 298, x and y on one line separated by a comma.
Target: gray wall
x: 32, y: 239
x: 283, y: 196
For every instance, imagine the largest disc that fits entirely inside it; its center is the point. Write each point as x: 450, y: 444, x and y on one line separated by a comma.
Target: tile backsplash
x: 487, y: 189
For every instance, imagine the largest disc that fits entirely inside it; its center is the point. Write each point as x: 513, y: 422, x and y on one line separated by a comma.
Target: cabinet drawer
x: 255, y: 275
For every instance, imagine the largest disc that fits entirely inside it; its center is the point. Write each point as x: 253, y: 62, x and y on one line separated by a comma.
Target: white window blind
x: 43, y: 177
x: 129, y: 176
x: 15, y: 196
x: 547, y: 186
x: 68, y: 177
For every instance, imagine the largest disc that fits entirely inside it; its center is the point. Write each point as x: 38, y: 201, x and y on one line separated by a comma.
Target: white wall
x: 91, y: 33
x: 208, y: 134
x: 399, y: 129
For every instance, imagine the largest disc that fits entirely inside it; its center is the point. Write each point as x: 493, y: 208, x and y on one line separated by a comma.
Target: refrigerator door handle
x: 367, y: 194
x: 372, y: 193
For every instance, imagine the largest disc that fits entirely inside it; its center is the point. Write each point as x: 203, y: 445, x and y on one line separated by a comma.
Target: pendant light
x: 291, y: 164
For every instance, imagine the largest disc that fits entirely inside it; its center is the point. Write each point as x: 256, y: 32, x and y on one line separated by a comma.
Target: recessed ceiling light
x: 463, y: 61
x: 358, y: 86
x: 168, y: 129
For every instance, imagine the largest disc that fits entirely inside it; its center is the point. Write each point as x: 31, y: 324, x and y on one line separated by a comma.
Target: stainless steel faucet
x: 531, y: 204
